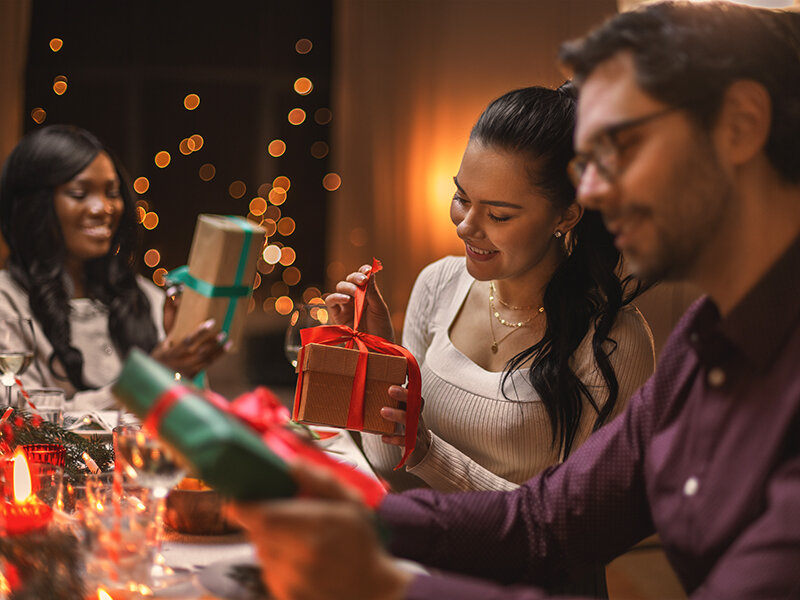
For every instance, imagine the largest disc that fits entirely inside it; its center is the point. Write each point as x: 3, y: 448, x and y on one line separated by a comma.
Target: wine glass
x: 17, y: 346
x: 304, y: 315
x: 151, y: 464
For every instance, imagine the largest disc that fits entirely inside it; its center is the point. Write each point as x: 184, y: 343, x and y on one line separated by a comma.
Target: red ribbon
x: 334, y: 335
x: 264, y: 413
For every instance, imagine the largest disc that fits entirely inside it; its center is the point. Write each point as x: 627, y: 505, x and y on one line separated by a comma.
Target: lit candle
x: 26, y: 513
x: 90, y: 464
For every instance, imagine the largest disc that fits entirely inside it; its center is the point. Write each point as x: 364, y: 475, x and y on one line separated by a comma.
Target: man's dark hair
x: 687, y: 54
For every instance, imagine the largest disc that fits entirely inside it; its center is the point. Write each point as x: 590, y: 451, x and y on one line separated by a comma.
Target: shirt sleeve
x: 581, y: 513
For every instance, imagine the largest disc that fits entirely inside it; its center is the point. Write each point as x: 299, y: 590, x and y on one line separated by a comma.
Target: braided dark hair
x: 44, y: 159
x: 537, y: 123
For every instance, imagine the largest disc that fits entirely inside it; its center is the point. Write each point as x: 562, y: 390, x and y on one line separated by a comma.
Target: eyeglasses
x: 605, y: 150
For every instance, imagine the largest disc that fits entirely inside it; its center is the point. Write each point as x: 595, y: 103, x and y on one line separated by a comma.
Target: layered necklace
x: 493, y: 312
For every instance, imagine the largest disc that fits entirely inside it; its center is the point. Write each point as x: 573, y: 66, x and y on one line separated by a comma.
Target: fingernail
x: 222, y: 336
x: 395, y: 391
x: 209, y: 324
x: 228, y: 345
x: 386, y: 411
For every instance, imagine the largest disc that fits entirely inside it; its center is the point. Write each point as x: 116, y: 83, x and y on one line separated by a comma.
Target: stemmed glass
x: 304, y: 315
x: 146, y: 460
x: 17, y: 346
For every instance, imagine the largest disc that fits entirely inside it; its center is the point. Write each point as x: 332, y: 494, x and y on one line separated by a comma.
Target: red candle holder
x: 49, y: 454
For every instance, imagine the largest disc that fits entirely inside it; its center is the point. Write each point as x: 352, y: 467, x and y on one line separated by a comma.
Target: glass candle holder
x: 51, y: 454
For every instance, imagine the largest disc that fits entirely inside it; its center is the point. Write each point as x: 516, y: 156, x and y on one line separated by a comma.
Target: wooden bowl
x: 197, y: 512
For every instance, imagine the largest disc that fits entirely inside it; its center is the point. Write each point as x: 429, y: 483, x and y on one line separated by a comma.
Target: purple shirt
x: 707, y: 455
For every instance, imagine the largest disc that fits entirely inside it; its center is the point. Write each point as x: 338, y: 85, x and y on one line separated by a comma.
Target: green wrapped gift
x: 224, y: 452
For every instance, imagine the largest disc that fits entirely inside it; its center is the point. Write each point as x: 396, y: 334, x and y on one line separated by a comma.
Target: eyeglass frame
x: 606, y: 165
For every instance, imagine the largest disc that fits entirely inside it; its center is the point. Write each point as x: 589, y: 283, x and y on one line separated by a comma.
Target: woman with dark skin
x: 68, y: 217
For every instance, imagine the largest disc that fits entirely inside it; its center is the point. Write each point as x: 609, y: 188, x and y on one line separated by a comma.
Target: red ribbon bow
x: 333, y: 335
x: 264, y: 413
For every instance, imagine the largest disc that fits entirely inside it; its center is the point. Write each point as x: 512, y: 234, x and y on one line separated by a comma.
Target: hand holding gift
x: 341, y: 303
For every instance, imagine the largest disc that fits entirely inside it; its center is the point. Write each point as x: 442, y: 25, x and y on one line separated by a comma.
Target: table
x: 194, y: 552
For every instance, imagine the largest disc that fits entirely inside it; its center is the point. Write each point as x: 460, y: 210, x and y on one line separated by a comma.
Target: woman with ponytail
x: 68, y: 217
x: 528, y: 343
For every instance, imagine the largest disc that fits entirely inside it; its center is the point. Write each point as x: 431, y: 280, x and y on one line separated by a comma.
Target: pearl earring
x: 557, y: 234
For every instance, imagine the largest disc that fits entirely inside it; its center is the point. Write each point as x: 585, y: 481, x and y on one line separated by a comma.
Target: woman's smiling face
x: 89, y: 207
x: 506, y: 224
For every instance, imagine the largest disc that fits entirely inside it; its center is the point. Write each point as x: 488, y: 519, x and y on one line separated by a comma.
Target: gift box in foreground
x: 324, y: 395
x: 218, y: 278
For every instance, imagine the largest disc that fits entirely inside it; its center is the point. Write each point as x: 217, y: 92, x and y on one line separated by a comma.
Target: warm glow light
x: 286, y: 226
x: 158, y: 276
x: 237, y: 189
x: 254, y: 219
x: 277, y: 196
x: 358, y: 237
x: 5, y: 588
x: 103, y: 595
x: 38, y: 115
x: 331, y: 182
x: 271, y: 254
x: 276, y: 148
x: 269, y: 226
x: 310, y: 294
x: 56, y: 44
x: 140, y: 213
x: 319, y: 149
x: 141, y: 185
x: 287, y: 257
x: 281, y: 181
x: 284, y: 305
x: 186, y: 146
x: 303, y: 86
x: 323, y: 116
x: 144, y: 204
x: 273, y: 212
x: 197, y: 140
x: 257, y: 281
x: 269, y: 304
x: 60, y: 85
x: 150, y: 220
x: 162, y: 159
x: 264, y: 267
x: 263, y: 189
x: 258, y: 206
x: 296, y: 116
x: 207, y: 172
x: 191, y: 101
x: 291, y: 276
x: 23, y: 487
x: 303, y: 46
x: 152, y: 257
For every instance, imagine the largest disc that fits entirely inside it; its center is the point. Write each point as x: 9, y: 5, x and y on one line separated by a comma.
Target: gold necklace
x: 501, y: 320
x: 506, y: 304
x: 495, y: 341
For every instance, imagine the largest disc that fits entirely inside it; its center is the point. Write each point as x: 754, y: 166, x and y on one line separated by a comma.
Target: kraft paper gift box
x: 218, y: 279
x: 326, y: 382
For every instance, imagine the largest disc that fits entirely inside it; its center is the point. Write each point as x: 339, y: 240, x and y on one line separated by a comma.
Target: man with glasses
x: 688, y: 142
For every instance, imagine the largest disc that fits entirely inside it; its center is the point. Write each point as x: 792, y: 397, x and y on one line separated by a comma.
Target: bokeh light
x: 303, y: 86
x: 258, y: 206
x: 207, y: 172
x: 270, y: 227
x: 191, y: 101
x: 331, y: 182
x: 162, y: 159
x: 323, y: 116
x: 257, y: 281
x: 264, y: 267
x: 254, y: 219
x: 56, y: 44
x: 303, y: 46
x: 38, y: 115
x: 358, y: 237
x: 286, y: 226
x: 319, y: 149
x: 140, y: 213
x: 311, y: 294
x: 291, y: 276
x: 287, y: 256
x: 263, y: 189
x: 198, y: 141
x: 281, y: 181
x: 237, y: 189
x: 186, y: 146
x: 143, y: 204
x: 141, y: 185
x: 274, y: 213
x: 276, y: 148
x: 284, y: 305
x: 271, y: 254
x: 60, y: 85
x: 152, y: 257
x: 150, y: 220
x: 296, y: 116
x: 158, y: 276
x: 277, y: 196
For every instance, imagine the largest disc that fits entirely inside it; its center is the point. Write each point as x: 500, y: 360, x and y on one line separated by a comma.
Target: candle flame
x: 23, y: 487
x: 103, y: 595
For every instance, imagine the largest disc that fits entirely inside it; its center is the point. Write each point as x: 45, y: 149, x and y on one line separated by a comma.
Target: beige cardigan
x: 480, y: 440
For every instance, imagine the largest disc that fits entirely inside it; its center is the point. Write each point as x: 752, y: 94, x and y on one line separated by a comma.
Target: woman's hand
x: 375, y: 318
x: 195, y: 352
x: 398, y: 416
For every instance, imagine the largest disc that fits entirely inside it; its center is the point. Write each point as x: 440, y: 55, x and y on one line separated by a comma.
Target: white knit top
x: 479, y: 439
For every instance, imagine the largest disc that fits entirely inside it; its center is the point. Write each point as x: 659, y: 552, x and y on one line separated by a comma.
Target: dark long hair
x: 537, y: 123
x: 42, y: 160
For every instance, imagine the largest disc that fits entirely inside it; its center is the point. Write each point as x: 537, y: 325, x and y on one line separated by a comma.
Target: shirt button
x: 690, y: 487
x: 716, y: 377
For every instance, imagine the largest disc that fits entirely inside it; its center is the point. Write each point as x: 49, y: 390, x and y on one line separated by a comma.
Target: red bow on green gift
x: 262, y: 411
x: 334, y: 335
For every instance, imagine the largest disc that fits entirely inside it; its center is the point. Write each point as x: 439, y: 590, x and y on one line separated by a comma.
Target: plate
x: 233, y: 580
